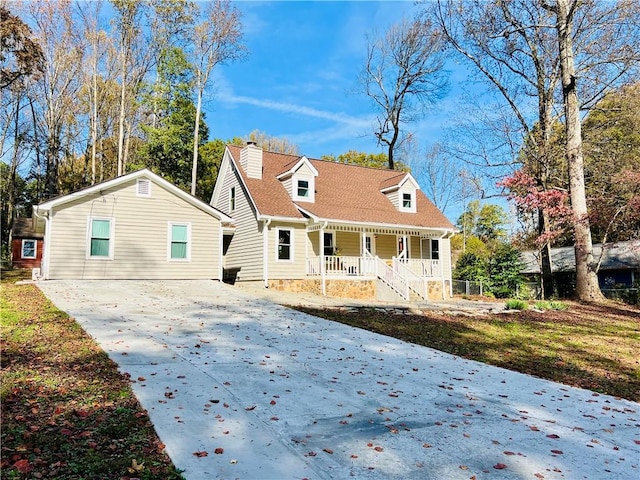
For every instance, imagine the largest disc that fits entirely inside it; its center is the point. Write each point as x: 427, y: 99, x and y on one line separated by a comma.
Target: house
x: 619, y: 265
x: 26, y: 244
x: 137, y: 226
x: 330, y: 228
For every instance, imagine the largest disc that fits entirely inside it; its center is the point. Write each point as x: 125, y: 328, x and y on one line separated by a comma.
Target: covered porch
x: 405, y: 259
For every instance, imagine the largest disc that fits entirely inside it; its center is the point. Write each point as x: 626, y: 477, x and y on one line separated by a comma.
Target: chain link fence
x: 527, y: 291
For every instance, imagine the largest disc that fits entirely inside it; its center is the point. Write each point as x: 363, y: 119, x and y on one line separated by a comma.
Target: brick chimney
x: 251, y: 160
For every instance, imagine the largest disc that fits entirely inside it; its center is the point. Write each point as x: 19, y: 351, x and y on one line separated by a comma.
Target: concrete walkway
x: 282, y: 395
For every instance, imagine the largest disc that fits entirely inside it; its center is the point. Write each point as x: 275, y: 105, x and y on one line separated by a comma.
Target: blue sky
x: 300, y: 77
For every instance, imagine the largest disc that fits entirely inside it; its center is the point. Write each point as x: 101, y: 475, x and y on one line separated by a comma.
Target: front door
x: 369, y: 245
x: 403, y: 247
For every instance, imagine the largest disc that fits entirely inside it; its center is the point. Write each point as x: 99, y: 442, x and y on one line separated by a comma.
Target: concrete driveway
x: 283, y: 395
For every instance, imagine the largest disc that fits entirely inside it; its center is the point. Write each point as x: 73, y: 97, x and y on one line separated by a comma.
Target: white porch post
x: 323, y: 265
x: 265, y: 251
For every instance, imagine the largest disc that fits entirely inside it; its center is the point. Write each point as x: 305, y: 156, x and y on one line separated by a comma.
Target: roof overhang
x: 46, y: 207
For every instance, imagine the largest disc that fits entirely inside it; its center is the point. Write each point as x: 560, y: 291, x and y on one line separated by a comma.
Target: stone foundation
x: 356, y: 289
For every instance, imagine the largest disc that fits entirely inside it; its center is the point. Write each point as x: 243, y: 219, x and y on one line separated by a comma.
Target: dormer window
x: 401, y: 190
x: 299, y: 180
x: 406, y: 201
x: 303, y: 188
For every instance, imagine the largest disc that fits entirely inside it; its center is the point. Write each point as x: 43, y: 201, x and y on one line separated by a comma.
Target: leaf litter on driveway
x: 268, y: 392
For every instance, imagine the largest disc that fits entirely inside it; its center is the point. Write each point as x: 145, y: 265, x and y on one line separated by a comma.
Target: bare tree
x: 439, y: 174
x: 514, y: 45
x: 217, y: 40
x: 404, y: 73
x: 128, y: 21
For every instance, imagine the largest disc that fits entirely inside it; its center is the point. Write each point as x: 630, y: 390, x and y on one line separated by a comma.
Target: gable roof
x: 23, y: 228
x: 144, y: 173
x: 616, y: 256
x: 344, y: 193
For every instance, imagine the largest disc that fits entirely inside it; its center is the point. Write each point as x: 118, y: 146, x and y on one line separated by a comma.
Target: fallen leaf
x: 379, y: 449
x: 23, y: 466
x: 463, y: 467
x: 509, y: 453
x: 328, y: 450
x: 553, y: 435
x: 200, y: 454
x: 557, y: 452
x: 252, y: 407
x: 499, y: 466
x: 219, y: 451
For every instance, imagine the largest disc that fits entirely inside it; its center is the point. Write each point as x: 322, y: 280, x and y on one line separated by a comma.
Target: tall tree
x: 216, y: 40
x: 20, y: 55
x: 567, y: 17
x: 128, y: 22
x: 403, y: 74
x: 504, y: 46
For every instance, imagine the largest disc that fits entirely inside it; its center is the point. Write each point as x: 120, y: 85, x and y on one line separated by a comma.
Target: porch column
x: 323, y: 265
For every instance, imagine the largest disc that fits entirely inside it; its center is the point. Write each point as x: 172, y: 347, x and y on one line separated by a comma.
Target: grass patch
x: 550, y: 305
x: 516, y: 304
x: 590, y: 346
x: 67, y: 413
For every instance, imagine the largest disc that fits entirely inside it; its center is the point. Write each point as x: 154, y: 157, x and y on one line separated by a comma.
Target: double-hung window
x: 303, y: 188
x: 285, y: 246
x: 101, y: 238
x: 179, y: 241
x: 406, y: 201
x: 29, y: 248
x: 435, y: 249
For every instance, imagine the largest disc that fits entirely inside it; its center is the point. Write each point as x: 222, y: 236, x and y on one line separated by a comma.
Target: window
x: 435, y: 249
x: 406, y: 200
x: 29, y: 248
x: 368, y: 244
x: 328, y: 244
x: 100, y: 238
x: 285, y: 248
x: 232, y: 199
x: 303, y: 188
x: 179, y: 241
x: 143, y: 188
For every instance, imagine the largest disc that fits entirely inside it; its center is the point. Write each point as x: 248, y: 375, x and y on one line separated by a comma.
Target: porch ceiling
x: 377, y: 229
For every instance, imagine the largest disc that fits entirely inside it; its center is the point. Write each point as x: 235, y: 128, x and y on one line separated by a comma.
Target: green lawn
x: 589, y: 346
x: 66, y: 411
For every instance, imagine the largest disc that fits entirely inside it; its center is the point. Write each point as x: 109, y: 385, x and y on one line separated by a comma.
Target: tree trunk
x: 196, y: 133
x: 587, y: 287
x: 123, y: 93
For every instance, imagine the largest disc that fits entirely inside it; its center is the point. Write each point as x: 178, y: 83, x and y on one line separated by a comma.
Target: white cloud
x: 342, y: 118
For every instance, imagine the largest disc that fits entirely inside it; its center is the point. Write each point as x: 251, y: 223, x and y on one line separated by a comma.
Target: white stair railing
x: 416, y: 283
x: 394, y: 280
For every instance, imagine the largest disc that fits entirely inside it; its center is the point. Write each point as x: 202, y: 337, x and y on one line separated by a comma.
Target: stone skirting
x: 356, y: 289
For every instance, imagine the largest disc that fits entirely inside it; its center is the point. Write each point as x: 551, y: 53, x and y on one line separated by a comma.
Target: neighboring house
x: 137, y: 226
x: 330, y: 228
x: 26, y: 244
x: 619, y: 265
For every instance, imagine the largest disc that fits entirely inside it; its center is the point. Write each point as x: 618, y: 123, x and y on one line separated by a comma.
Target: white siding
x: 245, y: 250
x: 288, y: 269
x: 140, y: 236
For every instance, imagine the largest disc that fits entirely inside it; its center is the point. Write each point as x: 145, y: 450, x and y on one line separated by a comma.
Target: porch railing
x: 424, y: 267
x: 396, y: 282
x: 416, y: 283
x: 335, y: 265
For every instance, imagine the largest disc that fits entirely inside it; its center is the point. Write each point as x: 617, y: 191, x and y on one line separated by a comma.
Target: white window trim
x: 112, y: 238
x: 311, y: 190
x: 233, y: 199
x: 291, y: 246
x: 170, y: 224
x: 412, y: 208
x: 138, y: 182
x: 35, y: 248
